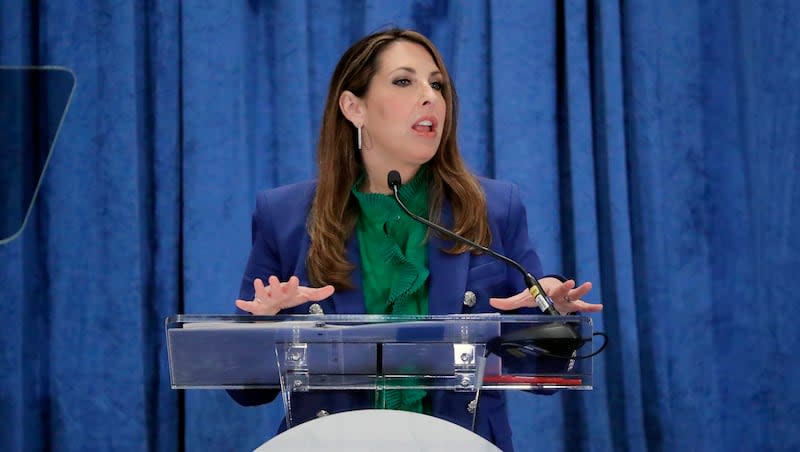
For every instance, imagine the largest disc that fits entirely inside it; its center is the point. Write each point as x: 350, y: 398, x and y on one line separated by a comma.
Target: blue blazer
x: 280, y: 246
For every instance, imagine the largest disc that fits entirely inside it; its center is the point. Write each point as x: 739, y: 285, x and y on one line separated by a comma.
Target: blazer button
x: 469, y: 299
x: 471, y: 406
x: 315, y: 309
x: 322, y: 413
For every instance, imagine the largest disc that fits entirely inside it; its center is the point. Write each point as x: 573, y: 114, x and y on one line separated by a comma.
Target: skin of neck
x: 376, y: 177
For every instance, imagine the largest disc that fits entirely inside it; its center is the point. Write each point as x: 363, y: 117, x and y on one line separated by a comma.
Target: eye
x: 402, y: 82
x: 438, y: 86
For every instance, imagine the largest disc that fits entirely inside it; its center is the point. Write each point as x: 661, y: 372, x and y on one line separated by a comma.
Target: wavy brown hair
x: 334, y: 211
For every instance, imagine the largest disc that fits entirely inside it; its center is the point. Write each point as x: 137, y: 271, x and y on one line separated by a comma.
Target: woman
x: 343, y: 244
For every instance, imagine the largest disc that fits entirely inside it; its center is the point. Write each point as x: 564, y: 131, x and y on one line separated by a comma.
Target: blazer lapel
x: 448, y: 272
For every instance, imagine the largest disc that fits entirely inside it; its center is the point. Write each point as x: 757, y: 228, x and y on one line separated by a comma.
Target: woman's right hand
x: 271, y: 299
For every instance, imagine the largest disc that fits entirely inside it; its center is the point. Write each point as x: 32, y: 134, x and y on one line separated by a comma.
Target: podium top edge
x: 372, y: 318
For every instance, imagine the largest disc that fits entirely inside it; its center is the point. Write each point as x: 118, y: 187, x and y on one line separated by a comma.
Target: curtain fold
x: 655, y: 145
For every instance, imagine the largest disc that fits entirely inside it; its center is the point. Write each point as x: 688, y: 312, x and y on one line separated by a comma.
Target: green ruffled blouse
x: 394, y: 263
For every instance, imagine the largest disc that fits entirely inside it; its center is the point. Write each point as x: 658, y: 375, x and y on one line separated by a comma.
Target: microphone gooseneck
x: 542, y: 300
x: 558, y: 340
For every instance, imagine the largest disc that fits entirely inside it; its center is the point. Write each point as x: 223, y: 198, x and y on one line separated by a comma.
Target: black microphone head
x: 394, y: 179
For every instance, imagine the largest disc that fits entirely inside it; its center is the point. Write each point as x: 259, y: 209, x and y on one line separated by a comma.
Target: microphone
x: 556, y: 339
x: 535, y: 289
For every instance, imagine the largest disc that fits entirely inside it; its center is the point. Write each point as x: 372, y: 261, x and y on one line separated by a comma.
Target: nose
x: 428, y: 95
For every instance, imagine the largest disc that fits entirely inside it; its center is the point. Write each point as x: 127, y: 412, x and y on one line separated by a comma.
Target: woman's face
x: 404, y: 112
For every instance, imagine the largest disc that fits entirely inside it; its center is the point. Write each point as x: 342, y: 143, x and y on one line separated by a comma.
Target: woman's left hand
x: 566, y: 297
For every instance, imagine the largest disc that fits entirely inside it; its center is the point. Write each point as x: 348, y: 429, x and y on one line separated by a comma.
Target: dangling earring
x: 358, y: 134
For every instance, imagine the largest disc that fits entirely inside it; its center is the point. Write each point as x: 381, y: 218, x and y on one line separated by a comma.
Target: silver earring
x: 359, y: 137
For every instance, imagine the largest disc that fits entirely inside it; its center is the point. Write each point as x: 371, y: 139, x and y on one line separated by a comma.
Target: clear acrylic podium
x: 466, y: 353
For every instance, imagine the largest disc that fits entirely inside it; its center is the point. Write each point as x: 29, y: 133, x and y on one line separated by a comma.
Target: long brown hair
x: 334, y: 211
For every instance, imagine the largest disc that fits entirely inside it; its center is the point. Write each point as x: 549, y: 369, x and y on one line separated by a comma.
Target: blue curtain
x: 655, y: 143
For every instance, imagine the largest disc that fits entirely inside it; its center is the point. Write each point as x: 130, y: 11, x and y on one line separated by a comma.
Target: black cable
x: 540, y: 351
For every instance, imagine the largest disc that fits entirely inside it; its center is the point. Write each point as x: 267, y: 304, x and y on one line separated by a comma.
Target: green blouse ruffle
x: 394, y: 263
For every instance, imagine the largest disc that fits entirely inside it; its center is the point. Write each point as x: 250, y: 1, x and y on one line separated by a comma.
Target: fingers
x: 522, y: 299
x: 274, y: 285
x: 256, y: 307
x: 567, y: 298
x: 582, y: 306
x: 567, y: 290
x: 305, y: 294
x: 277, y: 295
x: 292, y: 285
x: 573, y: 298
x: 258, y: 285
x: 319, y: 293
x: 580, y: 291
x: 562, y: 291
x: 246, y: 306
x: 503, y: 304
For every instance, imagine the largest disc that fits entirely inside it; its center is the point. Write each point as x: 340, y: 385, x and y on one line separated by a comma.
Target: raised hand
x: 271, y: 299
x: 566, y: 297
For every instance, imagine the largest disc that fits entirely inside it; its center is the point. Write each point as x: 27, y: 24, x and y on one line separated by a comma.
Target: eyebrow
x: 411, y: 69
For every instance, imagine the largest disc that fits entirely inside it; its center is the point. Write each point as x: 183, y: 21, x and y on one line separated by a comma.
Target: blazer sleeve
x: 263, y: 260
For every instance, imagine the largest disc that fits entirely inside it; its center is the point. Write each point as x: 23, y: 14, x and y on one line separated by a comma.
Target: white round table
x: 380, y: 431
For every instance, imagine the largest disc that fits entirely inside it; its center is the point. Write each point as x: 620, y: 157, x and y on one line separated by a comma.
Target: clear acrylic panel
x: 346, y: 352
x: 33, y: 103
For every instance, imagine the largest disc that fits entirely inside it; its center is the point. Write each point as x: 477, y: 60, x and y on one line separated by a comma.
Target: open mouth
x: 425, y: 127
